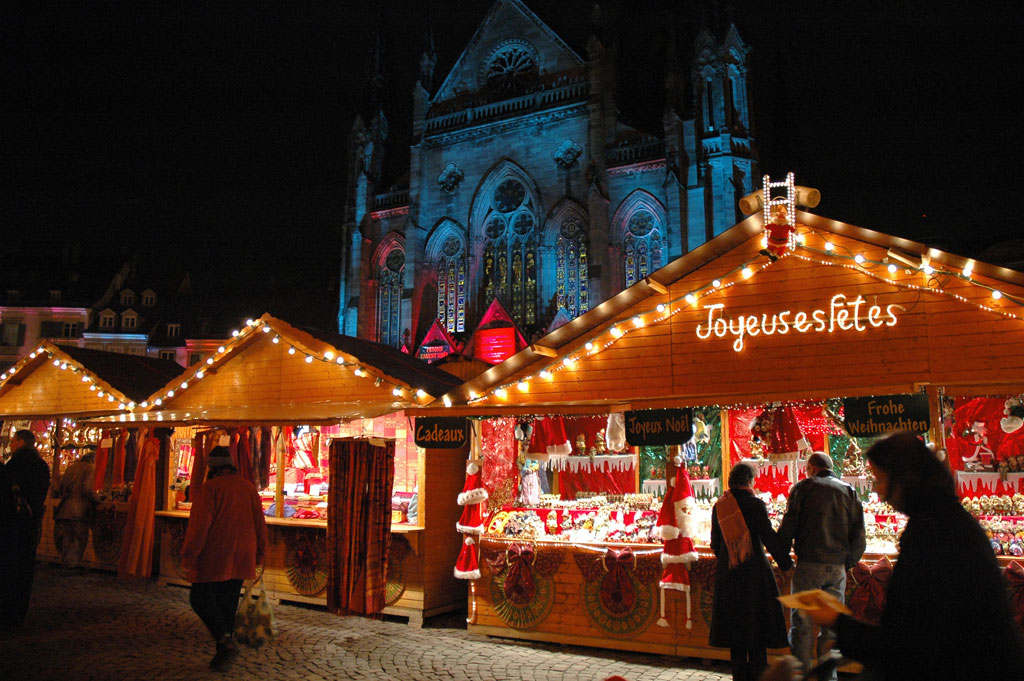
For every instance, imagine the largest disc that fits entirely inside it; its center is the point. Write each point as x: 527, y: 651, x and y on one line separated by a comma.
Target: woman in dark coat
x: 746, y: 616
x: 947, y: 615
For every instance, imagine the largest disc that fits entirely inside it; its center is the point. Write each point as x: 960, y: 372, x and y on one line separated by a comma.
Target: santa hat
x: 472, y: 519
x: 549, y: 437
x: 467, y: 566
x: 473, y: 492
x: 677, y: 524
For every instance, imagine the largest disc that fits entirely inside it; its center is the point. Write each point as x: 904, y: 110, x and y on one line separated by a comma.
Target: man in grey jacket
x: 825, y: 519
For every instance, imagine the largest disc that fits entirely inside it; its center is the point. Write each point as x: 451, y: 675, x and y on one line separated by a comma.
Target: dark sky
x: 216, y: 133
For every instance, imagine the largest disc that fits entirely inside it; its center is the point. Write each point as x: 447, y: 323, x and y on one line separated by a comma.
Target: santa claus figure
x: 779, y: 232
x: 677, y: 525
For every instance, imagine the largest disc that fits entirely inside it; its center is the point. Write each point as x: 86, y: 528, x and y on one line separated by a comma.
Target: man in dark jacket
x: 826, y: 520
x: 29, y: 477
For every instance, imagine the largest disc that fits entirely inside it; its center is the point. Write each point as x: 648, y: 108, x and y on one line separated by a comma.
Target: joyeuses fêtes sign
x: 843, y: 314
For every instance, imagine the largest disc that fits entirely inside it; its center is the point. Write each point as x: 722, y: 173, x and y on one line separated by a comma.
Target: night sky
x: 215, y: 137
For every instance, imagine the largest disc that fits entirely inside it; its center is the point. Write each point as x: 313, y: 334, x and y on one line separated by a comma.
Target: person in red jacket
x: 226, y: 539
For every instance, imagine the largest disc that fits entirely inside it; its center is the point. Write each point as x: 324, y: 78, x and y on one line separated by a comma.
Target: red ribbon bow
x: 617, y: 592
x: 519, y: 587
x: 868, y: 598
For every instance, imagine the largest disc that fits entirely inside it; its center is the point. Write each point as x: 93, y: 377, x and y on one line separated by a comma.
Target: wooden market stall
x: 50, y: 391
x: 844, y: 313
x: 279, y: 396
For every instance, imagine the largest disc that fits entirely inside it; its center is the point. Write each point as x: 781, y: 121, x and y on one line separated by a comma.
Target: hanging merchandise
x: 549, y: 437
x: 471, y: 499
x: 677, y: 525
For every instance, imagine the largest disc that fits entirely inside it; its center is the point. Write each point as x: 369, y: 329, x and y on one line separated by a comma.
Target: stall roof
x: 274, y: 372
x: 71, y: 381
x: 678, y: 338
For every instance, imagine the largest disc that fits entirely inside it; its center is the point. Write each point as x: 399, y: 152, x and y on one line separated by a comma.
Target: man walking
x: 22, y: 519
x: 826, y: 521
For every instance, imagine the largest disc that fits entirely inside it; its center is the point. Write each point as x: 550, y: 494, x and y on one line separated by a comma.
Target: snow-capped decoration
x: 468, y: 565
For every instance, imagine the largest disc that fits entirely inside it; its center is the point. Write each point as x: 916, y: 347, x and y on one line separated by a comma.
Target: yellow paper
x: 813, y: 599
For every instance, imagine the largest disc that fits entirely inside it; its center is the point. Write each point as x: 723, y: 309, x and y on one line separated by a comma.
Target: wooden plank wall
x: 442, y: 474
x: 51, y: 390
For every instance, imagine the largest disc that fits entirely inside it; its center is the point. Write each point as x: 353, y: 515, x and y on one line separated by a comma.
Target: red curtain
x: 358, y: 525
x: 136, y: 559
x: 590, y: 480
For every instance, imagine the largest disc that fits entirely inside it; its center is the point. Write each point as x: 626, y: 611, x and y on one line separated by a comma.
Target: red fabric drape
x: 612, y: 482
x: 499, y: 447
x: 136, y: 559
x: 102, y: 458
x: 358, y: 525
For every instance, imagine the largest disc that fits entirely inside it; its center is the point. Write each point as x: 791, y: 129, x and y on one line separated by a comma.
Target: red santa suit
x: 677, y: 525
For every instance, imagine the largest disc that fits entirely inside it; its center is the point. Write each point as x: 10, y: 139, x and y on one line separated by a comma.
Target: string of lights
x: 102, y: 389
x: 663, y: 311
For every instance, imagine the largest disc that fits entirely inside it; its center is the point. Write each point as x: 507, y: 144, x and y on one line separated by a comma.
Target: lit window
x: 641, y: 246
x: 571, y: 268
x: 510, y: 252
x: 391, y: 279
x: 451, y: 286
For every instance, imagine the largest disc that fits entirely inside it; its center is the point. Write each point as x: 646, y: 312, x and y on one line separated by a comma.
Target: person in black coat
x: 28, y: 476
x: 947, y: 615
x: 746, y: 616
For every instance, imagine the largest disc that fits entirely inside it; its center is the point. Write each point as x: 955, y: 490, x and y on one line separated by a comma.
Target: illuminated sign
x: 432, y: 353
x: 870, y: 416
x: 842, y: 314
x: 441, y: 433
x: 495, y: 345
x: 659, y: 426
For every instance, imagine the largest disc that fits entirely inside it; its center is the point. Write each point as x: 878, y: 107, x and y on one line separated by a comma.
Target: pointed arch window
x: 641, y: 246
x: 571, y: 267
x: 510, y: 251
x: 390, y: 280
x: 451, y: 286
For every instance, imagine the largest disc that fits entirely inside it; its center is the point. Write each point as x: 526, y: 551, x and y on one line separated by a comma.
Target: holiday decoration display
x: 780, y: 233
x: 676, y: 525
x: 618, y: 589
x: 867, y: 599
x: 471, y: 522
x: 521, y: 584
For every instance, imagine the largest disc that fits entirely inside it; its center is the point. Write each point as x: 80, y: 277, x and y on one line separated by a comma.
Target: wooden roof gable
x: 725, y: 325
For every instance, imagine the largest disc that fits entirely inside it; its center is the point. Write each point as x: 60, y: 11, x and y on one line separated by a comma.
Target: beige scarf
x: 734, y: 529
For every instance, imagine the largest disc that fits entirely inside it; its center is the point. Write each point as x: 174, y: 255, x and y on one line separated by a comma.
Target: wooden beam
x: 544, y: 350
x: 656, y: 285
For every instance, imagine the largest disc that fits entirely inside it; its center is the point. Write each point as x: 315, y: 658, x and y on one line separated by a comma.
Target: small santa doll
x: 779, y: 231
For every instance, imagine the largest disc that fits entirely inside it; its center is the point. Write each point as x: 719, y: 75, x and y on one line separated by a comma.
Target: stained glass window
x: 451, y: 286
x: 571, y: 268
x: 641, y: 246
x: 510, y: 252
x: 390, y: 279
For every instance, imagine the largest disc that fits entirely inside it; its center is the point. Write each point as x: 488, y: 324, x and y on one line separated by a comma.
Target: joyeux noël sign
x: 659, y: 426
x: 441, y: 433
x: 843, y: 314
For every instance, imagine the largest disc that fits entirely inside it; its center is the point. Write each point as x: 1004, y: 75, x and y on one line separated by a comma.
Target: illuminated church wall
x: 524, y: 186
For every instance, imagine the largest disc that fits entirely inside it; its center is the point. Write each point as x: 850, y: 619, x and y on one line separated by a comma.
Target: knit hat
x: 219, y: 456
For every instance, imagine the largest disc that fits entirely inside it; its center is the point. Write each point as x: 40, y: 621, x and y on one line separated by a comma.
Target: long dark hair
x: 917, y: 479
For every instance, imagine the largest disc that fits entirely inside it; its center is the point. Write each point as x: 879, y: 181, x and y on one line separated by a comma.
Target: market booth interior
x: 314, y: 420
x: 741, y: 350
x: 53, y: 392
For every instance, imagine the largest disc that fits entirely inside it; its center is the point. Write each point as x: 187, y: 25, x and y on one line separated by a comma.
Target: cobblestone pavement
x: 94, y: 626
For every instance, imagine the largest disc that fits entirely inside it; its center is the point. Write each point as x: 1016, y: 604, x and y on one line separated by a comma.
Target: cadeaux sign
x: 659, y: 426
x: 441, y: 433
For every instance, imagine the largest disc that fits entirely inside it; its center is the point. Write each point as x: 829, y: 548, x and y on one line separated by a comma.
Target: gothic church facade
x: 525, y: 187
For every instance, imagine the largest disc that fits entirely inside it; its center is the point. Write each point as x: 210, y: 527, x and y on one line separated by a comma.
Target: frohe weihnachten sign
x: 441, y: 433
x: 659, y: 426
x: 870, y: 416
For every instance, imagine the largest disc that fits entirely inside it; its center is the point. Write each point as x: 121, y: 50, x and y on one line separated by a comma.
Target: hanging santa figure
x: 677, y: 524
x: 471, y: 522
x: 779, y: 232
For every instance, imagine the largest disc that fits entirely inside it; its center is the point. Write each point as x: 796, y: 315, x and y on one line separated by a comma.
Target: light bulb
x: 716, y: 283
x: 859, y: 259
x: 616, y: 331
x: 170, y: 393
x: 501, y: 393
x: 250, y: 322
x: 266, y: 329
x: 638, y: 321
x: 56, y: 362
x: 328, y: 355
x: 568, y: 361
x: 927, y: 269
x: 747, y: 272
x: 892, y: 268
x: 397, y: 392
x: 801, y: 239
x: 184, y: 385
x: 661, y: 307
x: 85, y: 379
x: 276, y: 339
x: 234, y: 333
x: 523, y: 386
x: 144, y: 404
x: 200, y: 374
x: 690, y: 298
x: 220, y: 349
x: 589, y: 346
x: 421, y: 393
x: 447, y: 401
x: 309, y: 359
x: 968, y: 269
x: 997, y: 294
x: 291, y: 351
x: 829, y: 246
x: 545, y: 374
x: 158, y: 401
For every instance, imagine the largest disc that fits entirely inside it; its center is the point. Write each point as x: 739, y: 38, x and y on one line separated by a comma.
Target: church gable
x: 511, y: 47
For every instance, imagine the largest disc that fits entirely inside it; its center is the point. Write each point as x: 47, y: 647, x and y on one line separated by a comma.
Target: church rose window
x: 451, y: 286
x: 641, y: 247
x: 390, y: 278
x: 511, y: 69
x: 571, y: 268
x: 509, y: 195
